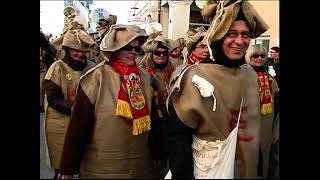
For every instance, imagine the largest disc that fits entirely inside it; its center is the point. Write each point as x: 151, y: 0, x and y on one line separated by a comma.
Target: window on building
x: 196, y: 19
x: 264, y: 41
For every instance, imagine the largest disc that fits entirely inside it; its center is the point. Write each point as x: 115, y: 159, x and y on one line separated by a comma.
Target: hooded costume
x: 268, y: 89
x: 57, y: 43
x: 61, y: 84
x: 161, y: 72
x: 211, y: 114
x: 109, y: 129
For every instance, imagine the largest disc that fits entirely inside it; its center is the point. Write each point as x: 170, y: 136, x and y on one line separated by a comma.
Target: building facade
x: 177, y: 16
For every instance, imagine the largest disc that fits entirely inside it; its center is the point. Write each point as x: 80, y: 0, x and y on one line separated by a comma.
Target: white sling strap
x: 215, y: 160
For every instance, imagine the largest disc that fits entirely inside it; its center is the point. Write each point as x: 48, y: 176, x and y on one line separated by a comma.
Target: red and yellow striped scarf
x: 265, y: 93
x: 131, y: 103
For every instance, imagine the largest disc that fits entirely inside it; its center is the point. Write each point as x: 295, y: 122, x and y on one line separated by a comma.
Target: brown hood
x: 103, y: 29
x: 177, y: 43
x: 193, y: 36
x: 79, y: 40
x: 119, y: 36
x: 220, y: 23
x: 57, y: 43
x: 150, y: 46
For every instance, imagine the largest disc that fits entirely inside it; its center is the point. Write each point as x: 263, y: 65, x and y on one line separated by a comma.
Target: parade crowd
x: 125, y: 102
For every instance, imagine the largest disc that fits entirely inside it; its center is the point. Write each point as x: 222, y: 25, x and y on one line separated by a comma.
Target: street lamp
x: 134, y: 10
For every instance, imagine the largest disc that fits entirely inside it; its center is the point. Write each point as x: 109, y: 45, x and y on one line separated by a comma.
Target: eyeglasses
x: 272, y: 51
x: 158, y: 53
x: 235, y: 34
x: 202, y: 46
x: 258, y: 55
x: 128, y: 47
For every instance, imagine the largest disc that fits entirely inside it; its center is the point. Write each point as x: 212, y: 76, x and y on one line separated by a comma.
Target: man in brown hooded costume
x: 109, y: 129
x: 61, y: 82
x: 207, y: 99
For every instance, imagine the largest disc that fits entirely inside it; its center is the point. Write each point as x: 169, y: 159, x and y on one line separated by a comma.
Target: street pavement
x: 45, y: 172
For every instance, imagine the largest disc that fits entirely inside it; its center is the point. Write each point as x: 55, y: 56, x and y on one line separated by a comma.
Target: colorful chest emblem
x: 132, y: 86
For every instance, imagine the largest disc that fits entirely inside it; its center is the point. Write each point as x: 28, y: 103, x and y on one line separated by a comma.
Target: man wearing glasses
x: 218, y: 97
x: 197, y: 50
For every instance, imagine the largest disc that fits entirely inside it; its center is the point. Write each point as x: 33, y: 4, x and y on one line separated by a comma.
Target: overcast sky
x: 119, y: 8
x: 52, y: 18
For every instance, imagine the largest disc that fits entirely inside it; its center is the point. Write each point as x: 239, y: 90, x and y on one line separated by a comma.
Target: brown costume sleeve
x: 78, y: 134
x: 55, y: 98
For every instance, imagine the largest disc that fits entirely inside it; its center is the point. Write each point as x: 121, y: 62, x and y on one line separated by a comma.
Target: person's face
x: 176, y: 52
x: 236, y: 41
x: 258, y: 59
x: 128, y: 53
x: 201, y: 50
x: 77, y: 55
x: 160, y: 56
x: 274, y: 54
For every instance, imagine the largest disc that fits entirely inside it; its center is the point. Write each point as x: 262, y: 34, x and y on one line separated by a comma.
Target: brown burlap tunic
x: 56, y: 123
x: 231, y: 84
x: 111, y: 150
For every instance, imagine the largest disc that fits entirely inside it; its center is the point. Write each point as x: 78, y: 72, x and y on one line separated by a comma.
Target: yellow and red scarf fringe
x: 131, y: 103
